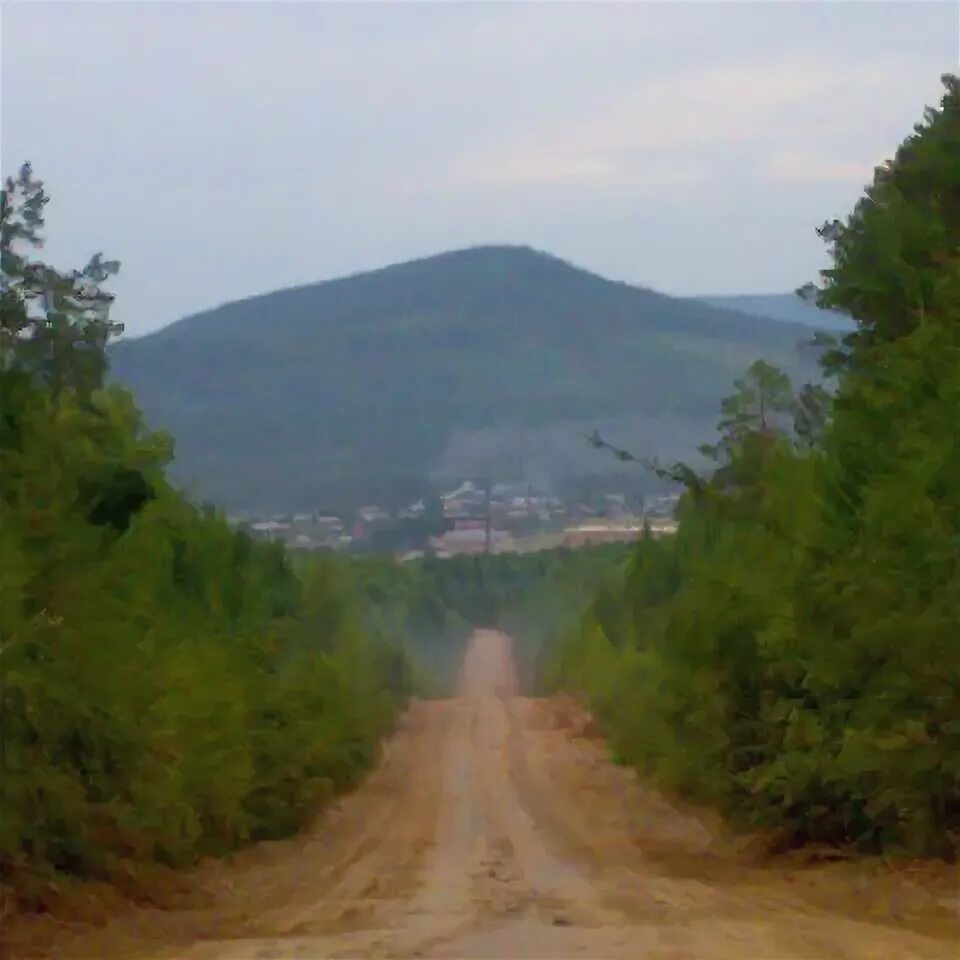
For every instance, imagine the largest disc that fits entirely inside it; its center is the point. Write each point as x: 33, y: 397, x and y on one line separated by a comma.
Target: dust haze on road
x: 493, y: 827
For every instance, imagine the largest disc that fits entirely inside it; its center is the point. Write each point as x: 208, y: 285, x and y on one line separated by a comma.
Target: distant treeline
x: 431, y: 606
x: 793, y: 655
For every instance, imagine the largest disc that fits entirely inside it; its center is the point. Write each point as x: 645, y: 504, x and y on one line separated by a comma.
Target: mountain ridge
x: 782, y: 307
x: 467, y: 255
x: 472, y: 360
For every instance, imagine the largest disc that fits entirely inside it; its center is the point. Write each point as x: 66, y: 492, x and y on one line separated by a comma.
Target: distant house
x: 470, y: 541
x: 469, y: 523
x: 269, y: 527
x: 465, y: 489
x: 589, y: 534
x: 373, y: 515
x: 458, y: 509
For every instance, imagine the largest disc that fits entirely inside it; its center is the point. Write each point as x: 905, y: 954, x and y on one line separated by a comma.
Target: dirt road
x: 492, y: 829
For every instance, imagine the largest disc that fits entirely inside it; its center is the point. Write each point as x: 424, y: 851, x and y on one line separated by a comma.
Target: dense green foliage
x: 432, y: 606
x: 556, y: 588
x: 792, y: 654
x: 168, y: 687
x: 486, y: 361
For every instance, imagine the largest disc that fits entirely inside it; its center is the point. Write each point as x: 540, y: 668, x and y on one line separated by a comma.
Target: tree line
x: 169, y: 687
x: 792, y: 654
x: 431, y: 606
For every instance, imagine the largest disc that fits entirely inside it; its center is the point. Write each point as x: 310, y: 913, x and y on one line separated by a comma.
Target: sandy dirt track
x: 494, y: 828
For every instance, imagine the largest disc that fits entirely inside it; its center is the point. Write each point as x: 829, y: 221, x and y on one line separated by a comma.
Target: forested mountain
x: 491, y: 359
x: 782, y: 306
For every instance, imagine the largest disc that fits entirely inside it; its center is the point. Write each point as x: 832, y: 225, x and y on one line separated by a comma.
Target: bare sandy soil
x: 495, y: 827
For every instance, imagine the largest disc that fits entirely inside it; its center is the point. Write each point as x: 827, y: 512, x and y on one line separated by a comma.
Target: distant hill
x: 781, y: 306
x: 491, y: 360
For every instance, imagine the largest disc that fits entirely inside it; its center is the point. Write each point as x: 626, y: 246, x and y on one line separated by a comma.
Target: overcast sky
x: 221, y: 150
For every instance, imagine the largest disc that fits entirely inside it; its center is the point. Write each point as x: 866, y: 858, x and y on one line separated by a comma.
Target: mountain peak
x: 465, y: 362
x: 481, y: 257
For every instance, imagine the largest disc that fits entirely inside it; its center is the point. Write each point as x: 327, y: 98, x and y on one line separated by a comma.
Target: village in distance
x: 472, y: 518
